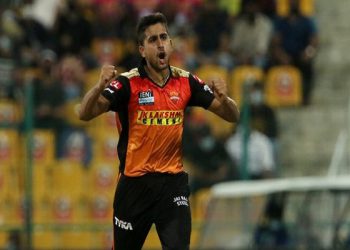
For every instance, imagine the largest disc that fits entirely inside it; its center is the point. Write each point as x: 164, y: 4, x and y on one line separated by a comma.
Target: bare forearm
x: 230, y: 110
x: 93, y: 103
x: 90, y: 106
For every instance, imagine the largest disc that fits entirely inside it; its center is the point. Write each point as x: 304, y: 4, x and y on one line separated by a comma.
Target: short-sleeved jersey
x: 151, y: 118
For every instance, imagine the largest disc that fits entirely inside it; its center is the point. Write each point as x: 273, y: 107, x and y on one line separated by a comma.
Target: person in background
x: 260, y: 159
x: 295, y: 42
x: 251, y: 36
x: 210, y: 163
x: 263, y: 115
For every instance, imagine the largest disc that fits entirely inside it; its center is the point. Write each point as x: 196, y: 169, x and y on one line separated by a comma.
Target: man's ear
x: 142, y: 50
x: 171, y: 45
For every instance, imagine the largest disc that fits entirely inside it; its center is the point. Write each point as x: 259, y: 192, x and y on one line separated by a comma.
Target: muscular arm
x: 223, y: 105
x: 93, y: 103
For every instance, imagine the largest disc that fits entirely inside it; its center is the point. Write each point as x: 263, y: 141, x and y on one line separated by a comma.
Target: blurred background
x: 285, y: 63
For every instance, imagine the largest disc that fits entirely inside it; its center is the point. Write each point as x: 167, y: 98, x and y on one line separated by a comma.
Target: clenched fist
x: 108, y: 73
x: 219, y: 88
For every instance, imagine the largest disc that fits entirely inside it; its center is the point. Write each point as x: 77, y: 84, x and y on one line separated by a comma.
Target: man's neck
x: 159, y: 77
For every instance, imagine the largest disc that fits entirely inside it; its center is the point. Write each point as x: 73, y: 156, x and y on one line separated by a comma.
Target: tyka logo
x: 122, y: 224
x: 146, y: 97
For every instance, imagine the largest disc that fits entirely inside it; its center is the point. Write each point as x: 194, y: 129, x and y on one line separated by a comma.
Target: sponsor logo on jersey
x: 116, y: 84
x: 146, y: 97
x: 181, y: 201
x: 122, y: 224
x: 164, y: 117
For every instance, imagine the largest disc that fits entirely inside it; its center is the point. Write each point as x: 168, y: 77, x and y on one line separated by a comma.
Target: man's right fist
x: 108, y: 73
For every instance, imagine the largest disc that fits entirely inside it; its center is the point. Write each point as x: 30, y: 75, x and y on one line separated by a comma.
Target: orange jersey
x: 151, y: 118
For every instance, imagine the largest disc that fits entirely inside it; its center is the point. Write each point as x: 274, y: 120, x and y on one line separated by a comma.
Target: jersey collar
x: 143, y: 73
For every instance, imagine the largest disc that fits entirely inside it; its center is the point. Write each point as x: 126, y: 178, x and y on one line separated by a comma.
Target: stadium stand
x: 65, y: 215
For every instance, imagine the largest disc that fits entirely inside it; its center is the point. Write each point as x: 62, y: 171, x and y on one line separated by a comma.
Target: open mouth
x: 161, y: 55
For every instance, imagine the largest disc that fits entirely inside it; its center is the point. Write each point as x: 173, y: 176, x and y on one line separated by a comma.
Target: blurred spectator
x: 14, y: 241
x: 75, y: 146
x: 210, y: 163
x: 263, y: 116
x: 114, y: 19
x: 48, y: 95
x: 268, y: 8
x: 271, y: 232
x: 72, y: 30
x: 251, y: 36
x: 71, y: 77
x: 295, y: 42
x: 7, y: 67
x: 260, y: 159
x: 211, y: 29
x: 43, y: 12
x: 144, y: 7
x: 179, y: 14
x: 36, y: 36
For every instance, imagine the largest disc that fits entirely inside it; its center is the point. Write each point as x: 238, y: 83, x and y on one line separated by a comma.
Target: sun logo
x: 174, y: 96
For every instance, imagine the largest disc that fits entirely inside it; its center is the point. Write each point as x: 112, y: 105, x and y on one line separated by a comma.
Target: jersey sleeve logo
x: 115, y: 84
x: 207, y: 88
x: 198, y: 79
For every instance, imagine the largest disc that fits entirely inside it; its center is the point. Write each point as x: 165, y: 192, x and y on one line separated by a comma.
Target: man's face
x: 157, y: 47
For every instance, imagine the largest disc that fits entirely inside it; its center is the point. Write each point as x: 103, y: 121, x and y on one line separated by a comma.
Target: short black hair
x: 147, y: 21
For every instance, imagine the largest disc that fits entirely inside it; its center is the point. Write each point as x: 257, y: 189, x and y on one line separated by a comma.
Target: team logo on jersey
x: 174, y: 96
x: 146, y: 97
x: 116, y: 84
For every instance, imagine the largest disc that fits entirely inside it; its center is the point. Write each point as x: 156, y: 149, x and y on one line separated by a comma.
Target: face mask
x: 207, y: 143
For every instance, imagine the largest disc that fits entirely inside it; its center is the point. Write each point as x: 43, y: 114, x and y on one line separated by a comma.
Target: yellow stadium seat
x: 105, y: 145
x: 71, y: 113
x: 42, y: 198
x: 209, y: 72
x: 107, y: 121
x: 101, y: 206
x: 243, y: 75
x: 103, y: 239
x: 10, y: 113
x: 152, y: 241
x: 43, y: 151
x: 199, y: 202
x: 77, y: 240
x: 91, y: 78
x: 68, y: 193
x: 103, y: 175
x: 307, y: 7
x: 11, y: 212
x: 283, y: 86
x: 45, y: 239
x: 3, y: 239
x: 10, y: 154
